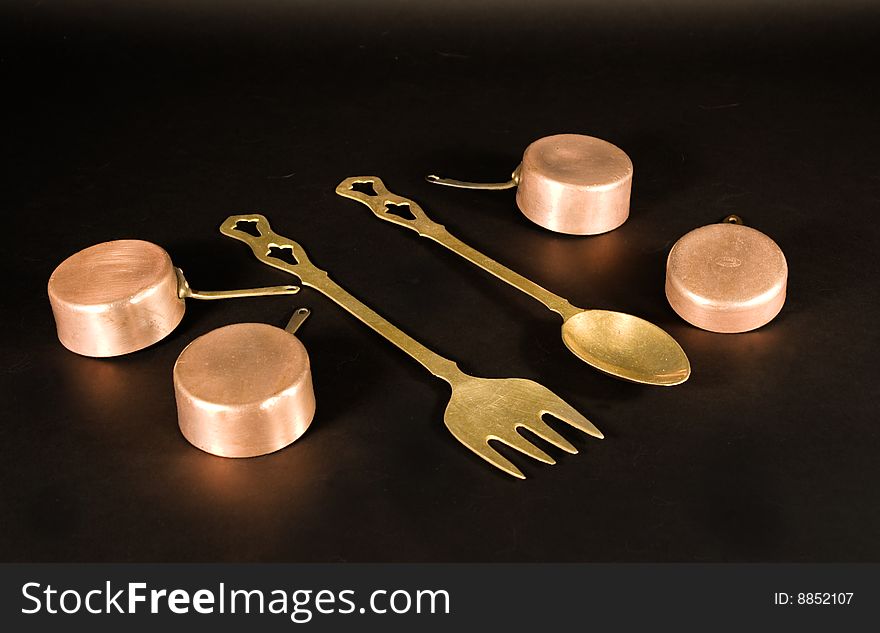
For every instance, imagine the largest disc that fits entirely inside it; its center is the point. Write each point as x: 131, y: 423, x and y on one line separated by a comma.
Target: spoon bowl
x: 627, y: 347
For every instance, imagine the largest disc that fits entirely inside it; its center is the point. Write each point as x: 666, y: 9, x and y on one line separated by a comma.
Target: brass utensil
x: 479, y: 409
x: 618, y: 344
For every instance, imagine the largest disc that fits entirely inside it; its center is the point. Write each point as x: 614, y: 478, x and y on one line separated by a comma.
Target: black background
x: 157, y: 120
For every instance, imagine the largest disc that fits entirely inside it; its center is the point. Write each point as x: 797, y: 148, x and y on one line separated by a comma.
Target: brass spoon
x: 621, y: 345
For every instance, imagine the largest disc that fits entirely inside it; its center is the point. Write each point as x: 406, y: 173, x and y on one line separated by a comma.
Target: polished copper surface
x: 575, y: 184
x: 244, y: 390
x: 726, y: 278
x: 115, y: 297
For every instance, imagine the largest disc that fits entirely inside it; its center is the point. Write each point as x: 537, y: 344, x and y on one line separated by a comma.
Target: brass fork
x: 479, y: 409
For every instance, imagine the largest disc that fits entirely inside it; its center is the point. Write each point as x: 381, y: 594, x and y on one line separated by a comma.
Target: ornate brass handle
x: 371, y: 191
x: 287, y: 255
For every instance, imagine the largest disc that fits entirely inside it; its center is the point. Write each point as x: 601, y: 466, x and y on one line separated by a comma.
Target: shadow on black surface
x: 338, y: 368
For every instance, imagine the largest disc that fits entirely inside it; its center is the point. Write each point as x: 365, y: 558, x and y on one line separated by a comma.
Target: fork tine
x: 548, y: 434
x: 517, y: 441
x: 567, y: 413
x: 495, y: 458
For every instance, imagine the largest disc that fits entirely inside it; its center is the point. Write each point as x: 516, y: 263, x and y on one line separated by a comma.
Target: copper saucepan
x: 118, y: 297
x: 726, y: 277
x: 568, y: 183
x: 245, y: 390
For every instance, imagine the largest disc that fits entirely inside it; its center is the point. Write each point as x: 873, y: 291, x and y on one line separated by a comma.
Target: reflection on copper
x: 753, y: 348
x: 114, y: 298
x: 232, y: 483
x: 258, y: 502
x: 565, y: 262
x: 726, y: 278
x: 244, y: 390
x: 570, y: 183
x: 731, y: 363
x: 101, y: 390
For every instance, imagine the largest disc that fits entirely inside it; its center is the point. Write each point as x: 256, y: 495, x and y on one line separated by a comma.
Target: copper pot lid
x: 118, y: 297
x: 568, y: 183
x: 726, y: 277
x: 245, y: 390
